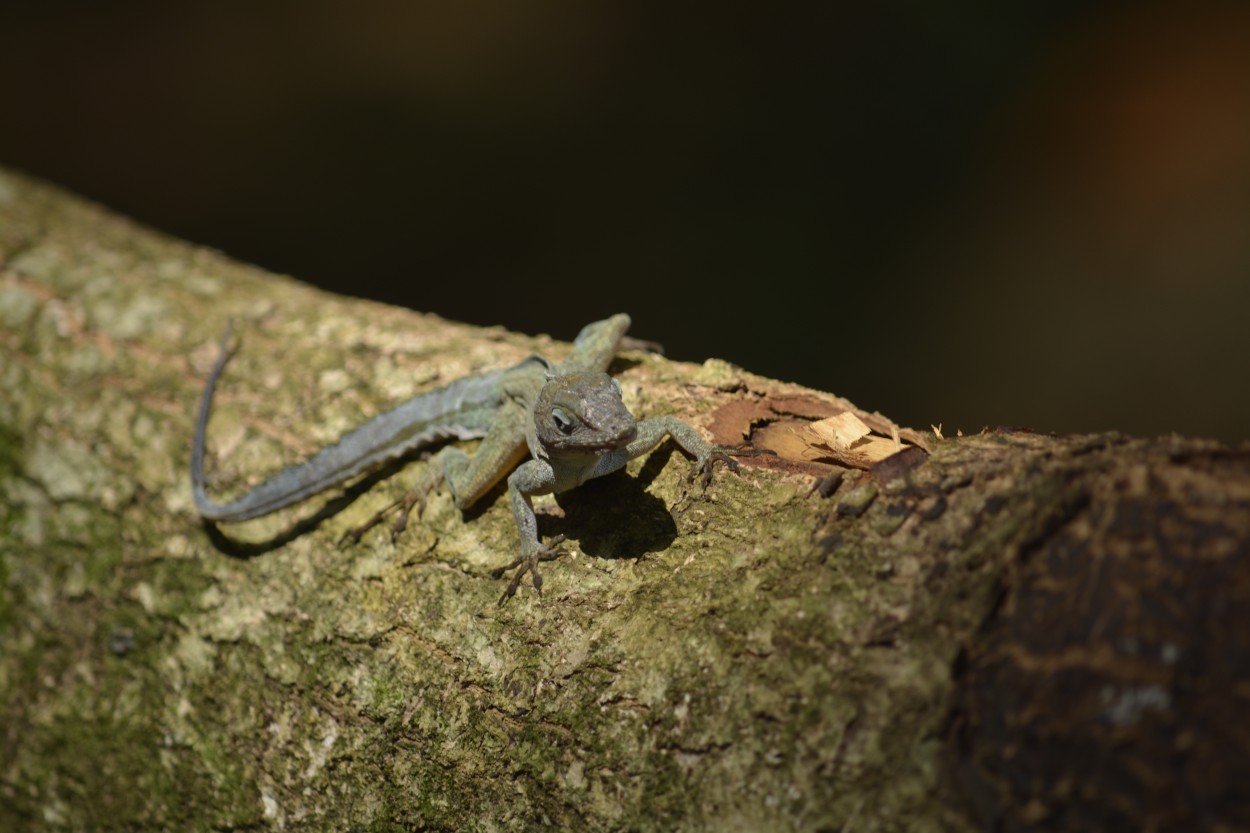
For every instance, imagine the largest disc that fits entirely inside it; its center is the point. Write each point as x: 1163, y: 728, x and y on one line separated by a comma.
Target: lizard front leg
x: 540, y: 477
x: 651, y: 432
x: 534, y: 477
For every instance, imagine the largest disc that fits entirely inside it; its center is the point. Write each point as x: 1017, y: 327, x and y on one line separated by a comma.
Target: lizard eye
x: 562, y: 420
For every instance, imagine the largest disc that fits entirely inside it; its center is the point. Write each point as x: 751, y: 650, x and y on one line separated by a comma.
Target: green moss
x: 747, y: 657
x: 10, y: 452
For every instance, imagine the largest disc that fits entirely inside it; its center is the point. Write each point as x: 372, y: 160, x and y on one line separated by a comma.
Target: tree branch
x: 1012, y: 630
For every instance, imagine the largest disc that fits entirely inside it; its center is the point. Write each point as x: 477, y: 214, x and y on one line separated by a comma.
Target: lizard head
x: 583, y: 412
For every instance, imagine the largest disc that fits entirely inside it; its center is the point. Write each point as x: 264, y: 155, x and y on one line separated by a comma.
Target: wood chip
x: 840, y: 431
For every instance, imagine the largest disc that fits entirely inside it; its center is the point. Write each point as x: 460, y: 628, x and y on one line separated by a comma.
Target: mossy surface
x: 745, y: 659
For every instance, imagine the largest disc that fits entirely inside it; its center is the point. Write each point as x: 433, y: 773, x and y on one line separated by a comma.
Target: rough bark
x: 1014, y: 631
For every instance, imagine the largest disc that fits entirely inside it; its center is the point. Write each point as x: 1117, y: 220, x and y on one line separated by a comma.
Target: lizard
x: 569, y: 417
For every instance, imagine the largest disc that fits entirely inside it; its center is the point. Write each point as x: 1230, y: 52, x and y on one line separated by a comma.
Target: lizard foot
x: 416, y: 497
x: 703, y: 467
x: 353, y: 535
x: 528, y: 564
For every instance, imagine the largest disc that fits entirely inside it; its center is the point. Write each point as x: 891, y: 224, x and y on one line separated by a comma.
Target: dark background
x: 1033, y: 214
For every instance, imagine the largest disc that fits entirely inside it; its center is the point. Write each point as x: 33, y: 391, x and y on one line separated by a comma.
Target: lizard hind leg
x: 441, y: 467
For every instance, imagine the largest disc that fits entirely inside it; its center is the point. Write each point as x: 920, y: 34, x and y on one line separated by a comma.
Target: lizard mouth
x: 628, y: 435
x: 613, y: 440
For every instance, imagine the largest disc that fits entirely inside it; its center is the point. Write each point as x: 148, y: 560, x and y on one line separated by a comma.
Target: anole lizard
x: 569, y: 416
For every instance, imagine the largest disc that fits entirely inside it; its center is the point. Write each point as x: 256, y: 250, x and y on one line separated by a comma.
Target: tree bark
x: 1008, y: 630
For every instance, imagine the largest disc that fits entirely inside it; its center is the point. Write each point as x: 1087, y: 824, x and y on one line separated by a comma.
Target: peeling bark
x: 1013, y: 631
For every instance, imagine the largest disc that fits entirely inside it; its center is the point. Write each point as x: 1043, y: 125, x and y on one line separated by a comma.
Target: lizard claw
x: 528, y: 564
x: 703, y: 468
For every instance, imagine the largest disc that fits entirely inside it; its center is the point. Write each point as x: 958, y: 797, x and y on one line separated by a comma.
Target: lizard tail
x: 463, y: 410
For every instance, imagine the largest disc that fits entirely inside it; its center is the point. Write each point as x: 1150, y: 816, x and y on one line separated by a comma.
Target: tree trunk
x: 1007, y: 630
